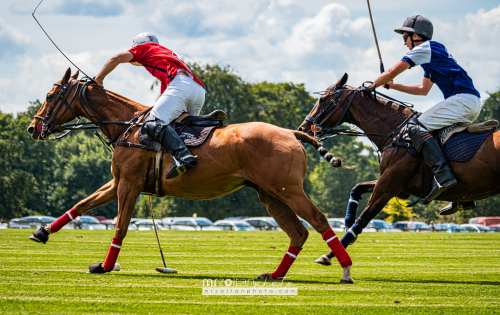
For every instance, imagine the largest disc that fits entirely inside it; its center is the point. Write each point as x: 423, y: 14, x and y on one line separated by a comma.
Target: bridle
x: 328, y: 111
x: 321, y: 131
x: 50, y: 125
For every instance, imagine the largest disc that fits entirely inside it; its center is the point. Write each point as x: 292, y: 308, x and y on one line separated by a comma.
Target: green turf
x: 433, y: 273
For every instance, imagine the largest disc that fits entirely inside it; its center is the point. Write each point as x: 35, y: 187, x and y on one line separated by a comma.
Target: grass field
x: 434, y: 273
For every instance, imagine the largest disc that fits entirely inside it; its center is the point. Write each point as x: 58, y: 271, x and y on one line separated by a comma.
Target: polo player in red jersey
x: 181, y: 91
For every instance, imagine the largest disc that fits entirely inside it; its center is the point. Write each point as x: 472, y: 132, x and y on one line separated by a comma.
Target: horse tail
x: 313, y: 142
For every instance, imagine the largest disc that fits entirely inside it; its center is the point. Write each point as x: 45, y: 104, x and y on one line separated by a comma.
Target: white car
x: 147, y: 225
x: 477, y: 228
x: 234, y: 225
x: 263, y: 223
x: 191, y: 224
x: 86, y: 222
x: 27, y: 222
x: 381, y: 226
x: 337, y: 224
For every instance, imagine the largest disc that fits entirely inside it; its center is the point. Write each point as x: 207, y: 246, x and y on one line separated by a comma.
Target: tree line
x: 50, y: 177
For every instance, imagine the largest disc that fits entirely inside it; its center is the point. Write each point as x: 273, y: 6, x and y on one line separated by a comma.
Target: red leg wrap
x: 286, y: 262
x: 114, y: 250
x: 333, y: 242
x: 63, y: 220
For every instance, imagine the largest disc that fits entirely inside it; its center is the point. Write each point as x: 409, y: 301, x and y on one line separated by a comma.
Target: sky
x: 312, y: 42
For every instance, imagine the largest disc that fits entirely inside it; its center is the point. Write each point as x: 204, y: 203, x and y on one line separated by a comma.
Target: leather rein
x: 321, y: 130
x: 50, y: 123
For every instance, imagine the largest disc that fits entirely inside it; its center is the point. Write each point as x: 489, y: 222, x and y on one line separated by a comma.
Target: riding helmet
x: 144, y: 38
x: 417, y: 24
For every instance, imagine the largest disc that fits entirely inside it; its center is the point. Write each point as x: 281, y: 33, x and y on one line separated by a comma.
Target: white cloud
x: 273, y: 40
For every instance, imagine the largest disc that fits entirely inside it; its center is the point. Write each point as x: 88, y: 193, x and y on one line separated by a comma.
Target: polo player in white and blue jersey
x: 461, y: 100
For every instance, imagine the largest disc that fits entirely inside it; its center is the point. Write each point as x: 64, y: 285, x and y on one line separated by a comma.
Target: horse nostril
x: 31, y: 130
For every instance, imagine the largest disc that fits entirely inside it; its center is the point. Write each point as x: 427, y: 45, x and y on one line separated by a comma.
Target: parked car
x: 26, y: 222
x: 450, y: 228
x: 477, y: 228
x: 382, y: 226
x: 3, y: 226
x: 103, y: 220
x: 236, y: 218
x: 147, y: 225
x: 263, y: 223
x: 485, y: 220
x: 234, y: 225
x: 495, y: 227
x: 337, y: 224
x: 420, y: 226
x: 86, y: 222
x: 199, y: 224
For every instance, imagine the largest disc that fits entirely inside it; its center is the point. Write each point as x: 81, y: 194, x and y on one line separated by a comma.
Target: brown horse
x: 401, y: 172
x: 262, y: 156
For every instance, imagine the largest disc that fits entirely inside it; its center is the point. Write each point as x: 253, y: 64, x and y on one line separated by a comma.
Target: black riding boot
x: 163, y: 133
x: 433, y: 155
x: 183, y: 159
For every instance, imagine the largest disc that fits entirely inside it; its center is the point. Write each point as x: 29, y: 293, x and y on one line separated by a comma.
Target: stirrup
x: 437, y: 189
x: 176, y: 170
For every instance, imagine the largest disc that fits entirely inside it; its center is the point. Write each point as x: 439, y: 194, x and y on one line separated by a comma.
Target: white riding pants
x: 454, y: 109
x: 183, y: 94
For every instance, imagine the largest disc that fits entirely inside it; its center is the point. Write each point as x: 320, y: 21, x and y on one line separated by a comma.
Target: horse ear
x: 342, y: 81
x: 75, y: 76
x: 66, y: 77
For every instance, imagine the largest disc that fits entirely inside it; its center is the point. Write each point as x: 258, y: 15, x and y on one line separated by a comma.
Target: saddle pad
x: 460, y: 147
x: 195, y: 135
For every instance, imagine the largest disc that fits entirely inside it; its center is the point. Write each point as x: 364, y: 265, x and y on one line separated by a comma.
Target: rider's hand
x: 98, y: 82
x: 389, y: 85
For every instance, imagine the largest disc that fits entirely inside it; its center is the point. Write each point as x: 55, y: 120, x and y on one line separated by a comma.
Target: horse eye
x: 49, y: 97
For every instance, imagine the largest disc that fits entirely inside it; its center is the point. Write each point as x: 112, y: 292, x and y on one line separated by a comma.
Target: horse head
x: 50, y: 114
x: 328, y: 110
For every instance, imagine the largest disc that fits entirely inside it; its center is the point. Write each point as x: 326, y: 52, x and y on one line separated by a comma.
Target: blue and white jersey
x: 440, y: 67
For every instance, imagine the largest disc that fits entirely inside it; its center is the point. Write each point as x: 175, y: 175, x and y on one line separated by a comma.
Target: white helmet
x: 144, y: 38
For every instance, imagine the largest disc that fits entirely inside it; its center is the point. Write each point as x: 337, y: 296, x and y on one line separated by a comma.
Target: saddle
x: 193, y: 130
x: 459, y: 143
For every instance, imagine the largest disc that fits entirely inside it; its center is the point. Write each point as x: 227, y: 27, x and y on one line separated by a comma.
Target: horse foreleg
x: 127, y: 197
x: 105, y: 194
x: 288, y: 222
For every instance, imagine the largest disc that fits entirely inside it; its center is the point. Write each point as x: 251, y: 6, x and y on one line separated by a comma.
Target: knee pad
x: 416, y: 131
x: 155, y: 128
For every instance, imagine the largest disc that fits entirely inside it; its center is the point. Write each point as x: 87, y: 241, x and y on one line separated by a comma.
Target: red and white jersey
x: 161, y: 62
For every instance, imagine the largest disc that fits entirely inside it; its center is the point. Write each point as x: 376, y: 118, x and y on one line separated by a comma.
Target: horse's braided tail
x: 313, y: 142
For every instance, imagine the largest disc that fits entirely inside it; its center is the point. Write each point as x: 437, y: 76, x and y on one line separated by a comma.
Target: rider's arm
x: 111, y: 65
x: 415, y: 89
x: 390, y: 74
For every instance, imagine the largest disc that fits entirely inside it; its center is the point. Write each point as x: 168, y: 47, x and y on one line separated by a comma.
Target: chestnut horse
x: 401, y: 172
x: 262, y: 156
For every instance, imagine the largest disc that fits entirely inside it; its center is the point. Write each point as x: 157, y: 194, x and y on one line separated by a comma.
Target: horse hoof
x: 324, y: 260
x: 41, y: 236
x: 349, y: 281
x: 97, y: 268
x: 266, y: 276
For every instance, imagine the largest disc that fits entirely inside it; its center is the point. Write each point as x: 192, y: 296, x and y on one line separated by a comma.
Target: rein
x: 49, y: 126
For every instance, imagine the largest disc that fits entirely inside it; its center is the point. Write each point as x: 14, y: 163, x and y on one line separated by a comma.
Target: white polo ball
x: 117, y: 267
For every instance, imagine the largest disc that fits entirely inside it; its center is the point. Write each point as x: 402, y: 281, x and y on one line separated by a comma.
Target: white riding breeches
x: 454, y: 109
x: 183, y: 94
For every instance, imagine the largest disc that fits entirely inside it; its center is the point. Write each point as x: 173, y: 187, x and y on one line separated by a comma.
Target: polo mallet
x: 382, y: 70
x: 164, y: 269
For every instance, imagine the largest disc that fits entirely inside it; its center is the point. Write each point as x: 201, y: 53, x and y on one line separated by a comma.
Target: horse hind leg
x: 105, y: 194
x: 297, y: 200
x: 288, y: 222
